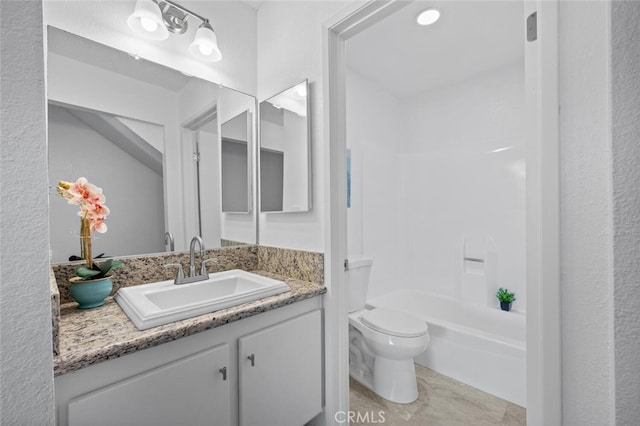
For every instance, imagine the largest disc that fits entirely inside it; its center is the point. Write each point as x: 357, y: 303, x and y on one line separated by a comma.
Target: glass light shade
x: 205, y: 45
x: 146, y: 21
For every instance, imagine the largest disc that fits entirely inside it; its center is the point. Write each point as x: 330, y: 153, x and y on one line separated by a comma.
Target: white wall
x: 210, y: 189
x: 296, y: 171
x: 375, y: 135
x: 458, y: 192
x: 134, y: 192
x: 625, y: 80
x: 290, y: 50
x: 290, y: 138
x: 586, y: 228
x: 425, y: 182
x: 26, y: 360
x: 151, y: 133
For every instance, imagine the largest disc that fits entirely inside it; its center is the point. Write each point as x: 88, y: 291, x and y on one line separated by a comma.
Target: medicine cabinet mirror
x: 285, y: 155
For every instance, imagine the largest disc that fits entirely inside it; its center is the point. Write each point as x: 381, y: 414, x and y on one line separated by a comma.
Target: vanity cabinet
x: 189, y: 391
x: 262, y: 370
x: 281, y: 373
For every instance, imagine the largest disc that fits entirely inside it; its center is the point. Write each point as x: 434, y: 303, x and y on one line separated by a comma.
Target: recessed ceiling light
x: 428, y: 17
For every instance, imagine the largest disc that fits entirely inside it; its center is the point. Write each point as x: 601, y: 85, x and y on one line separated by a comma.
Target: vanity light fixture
x: 428, y: 17
x: 154, y: 19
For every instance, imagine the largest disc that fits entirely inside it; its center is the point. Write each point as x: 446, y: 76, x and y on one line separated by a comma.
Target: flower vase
x: 90, y: 293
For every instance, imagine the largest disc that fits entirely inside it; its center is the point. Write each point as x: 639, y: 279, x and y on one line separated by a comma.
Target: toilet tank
x: 358, y: 281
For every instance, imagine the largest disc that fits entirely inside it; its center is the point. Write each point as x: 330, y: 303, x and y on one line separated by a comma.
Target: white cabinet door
x: 281, y: 373
x: 189, y: 391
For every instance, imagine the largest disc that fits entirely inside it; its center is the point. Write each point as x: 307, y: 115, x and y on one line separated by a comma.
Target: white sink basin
x: 150, y: 305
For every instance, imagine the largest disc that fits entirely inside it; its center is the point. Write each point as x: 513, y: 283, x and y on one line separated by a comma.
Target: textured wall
x: 26, y: 360
x: 586, y: 236
x: 625, y: 109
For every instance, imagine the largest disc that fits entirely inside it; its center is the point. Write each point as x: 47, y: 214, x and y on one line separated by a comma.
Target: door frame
x: 544, y: 379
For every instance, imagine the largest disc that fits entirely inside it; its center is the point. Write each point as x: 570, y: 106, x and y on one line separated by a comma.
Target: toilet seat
x: 394, y: 323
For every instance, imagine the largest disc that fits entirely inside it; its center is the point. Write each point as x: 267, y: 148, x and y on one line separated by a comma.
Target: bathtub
x: 481, y: 346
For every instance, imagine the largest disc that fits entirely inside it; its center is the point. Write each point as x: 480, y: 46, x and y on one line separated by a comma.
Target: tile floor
x: 443, y: 401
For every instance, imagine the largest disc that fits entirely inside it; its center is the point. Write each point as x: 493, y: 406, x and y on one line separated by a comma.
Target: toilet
x: 382, y: 342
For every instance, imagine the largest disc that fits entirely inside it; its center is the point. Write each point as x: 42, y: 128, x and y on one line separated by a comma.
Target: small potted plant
x: 505, y: 298
x: 92, y: 284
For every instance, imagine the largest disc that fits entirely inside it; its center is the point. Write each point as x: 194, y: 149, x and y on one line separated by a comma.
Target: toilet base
x: 393, y: 380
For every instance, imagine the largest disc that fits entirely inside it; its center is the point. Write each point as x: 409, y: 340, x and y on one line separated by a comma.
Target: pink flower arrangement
x: 90, y: 199
x: 92, y: 214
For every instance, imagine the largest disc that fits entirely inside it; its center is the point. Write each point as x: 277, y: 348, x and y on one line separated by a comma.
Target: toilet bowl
x: 382, y: 342
x: 391, y: 340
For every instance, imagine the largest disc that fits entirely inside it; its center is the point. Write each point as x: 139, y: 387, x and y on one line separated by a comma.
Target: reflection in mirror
x: 106, y: 149
x: 236, y: 156
x: 150, y: 137
x: 285, y: 178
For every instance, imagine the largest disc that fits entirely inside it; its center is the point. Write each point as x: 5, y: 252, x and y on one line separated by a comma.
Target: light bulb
x: 205, y: 49
x: 428, y: 17
x: 148, y: 24
x: 146, y: 21
x: 205, y: 44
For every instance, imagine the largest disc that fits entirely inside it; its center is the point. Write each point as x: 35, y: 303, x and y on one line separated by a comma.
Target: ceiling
x: 255, y: 4
x: 471, y: 38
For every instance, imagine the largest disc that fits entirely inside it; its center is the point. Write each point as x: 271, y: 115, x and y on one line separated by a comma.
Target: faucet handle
x: 203, y: 265
x: 180, y: 275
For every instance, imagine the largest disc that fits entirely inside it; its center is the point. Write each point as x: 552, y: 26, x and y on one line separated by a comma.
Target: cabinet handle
x: 252, y: 358
x: 223, y: 370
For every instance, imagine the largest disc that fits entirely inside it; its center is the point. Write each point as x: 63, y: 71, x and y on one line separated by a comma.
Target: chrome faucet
x: 168, y: 239
x: 192, y: 254
x: 180, y: 278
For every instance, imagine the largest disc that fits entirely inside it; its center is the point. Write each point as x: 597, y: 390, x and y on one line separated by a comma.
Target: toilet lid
x: 394, y: 323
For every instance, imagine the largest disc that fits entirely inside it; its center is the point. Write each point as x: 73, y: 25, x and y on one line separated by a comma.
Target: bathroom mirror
x: 285, y: 155
x: 235, y: 165
x: 151, y: 138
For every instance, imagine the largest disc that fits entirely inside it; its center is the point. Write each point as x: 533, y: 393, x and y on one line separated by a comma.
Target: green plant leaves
x: 101, y: 270
x: 504, y: 295
x: 84, y: 272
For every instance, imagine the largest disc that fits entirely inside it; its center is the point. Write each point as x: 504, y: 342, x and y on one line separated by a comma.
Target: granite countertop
x: 91, y: 336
